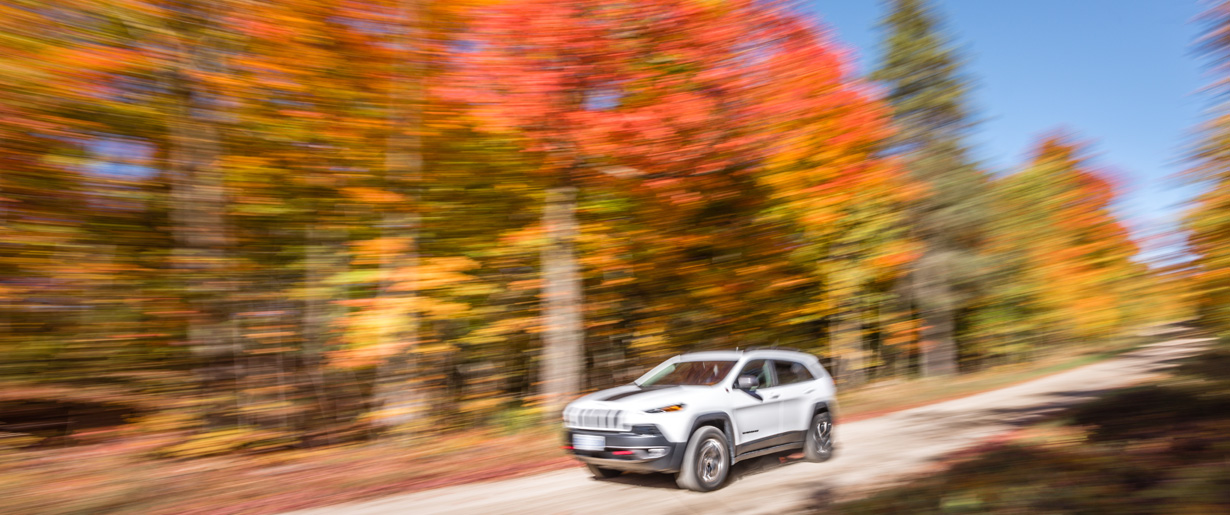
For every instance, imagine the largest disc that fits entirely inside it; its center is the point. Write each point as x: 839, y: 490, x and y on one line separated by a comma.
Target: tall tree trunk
x: 903, y: 311
x: 198, y: 200
x: 850, y: 344
x: 322, y: 259
x: 934, y: 296
x: 396, y: 397
x: 563, y: 337
x: 848, y: 331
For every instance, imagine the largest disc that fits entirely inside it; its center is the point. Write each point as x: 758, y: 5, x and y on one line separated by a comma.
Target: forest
x: 257, y: 225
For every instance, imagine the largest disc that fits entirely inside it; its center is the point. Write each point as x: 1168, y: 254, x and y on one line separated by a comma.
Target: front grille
x: 608, y: 419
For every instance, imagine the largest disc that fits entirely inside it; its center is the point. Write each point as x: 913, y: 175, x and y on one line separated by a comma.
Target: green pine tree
x: 928, y: 96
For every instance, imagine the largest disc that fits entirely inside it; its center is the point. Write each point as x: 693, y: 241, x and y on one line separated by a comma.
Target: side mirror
x: 748, y: 384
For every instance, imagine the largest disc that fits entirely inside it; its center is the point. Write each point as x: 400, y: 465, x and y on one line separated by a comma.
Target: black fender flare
x: 715, y: 416
x: 823, y: 406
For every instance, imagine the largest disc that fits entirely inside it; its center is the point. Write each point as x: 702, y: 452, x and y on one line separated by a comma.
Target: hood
x: 638, y: 398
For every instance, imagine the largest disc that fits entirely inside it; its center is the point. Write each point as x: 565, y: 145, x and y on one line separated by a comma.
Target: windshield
x: 695, y: 373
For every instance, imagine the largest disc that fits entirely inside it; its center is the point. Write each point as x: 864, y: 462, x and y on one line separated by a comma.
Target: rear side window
x: 790, y: 372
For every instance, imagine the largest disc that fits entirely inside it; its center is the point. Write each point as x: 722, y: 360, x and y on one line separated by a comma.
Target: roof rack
x: 773, y: 347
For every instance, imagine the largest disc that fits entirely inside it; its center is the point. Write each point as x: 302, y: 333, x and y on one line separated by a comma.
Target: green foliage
x: 927, y: 91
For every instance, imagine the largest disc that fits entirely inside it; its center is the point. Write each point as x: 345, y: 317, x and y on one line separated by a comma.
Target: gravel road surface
x: 871, y: 452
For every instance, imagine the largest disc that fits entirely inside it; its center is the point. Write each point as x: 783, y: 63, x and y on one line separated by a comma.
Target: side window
x: 760, y: 369
x: 790, y: 372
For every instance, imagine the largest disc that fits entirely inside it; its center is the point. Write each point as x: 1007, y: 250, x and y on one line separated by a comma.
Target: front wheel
x: 819, y: 446
x: 706, y: 461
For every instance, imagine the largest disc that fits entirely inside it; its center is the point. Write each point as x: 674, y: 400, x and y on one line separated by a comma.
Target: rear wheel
x: 819, y: 445
x: 603, y: 473
x: 706, y: 461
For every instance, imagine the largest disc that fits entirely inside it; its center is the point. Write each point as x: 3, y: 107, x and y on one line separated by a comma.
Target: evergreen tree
x: 928, y: 97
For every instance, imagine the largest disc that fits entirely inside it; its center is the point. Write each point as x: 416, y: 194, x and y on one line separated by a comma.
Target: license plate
x: 588, y: 442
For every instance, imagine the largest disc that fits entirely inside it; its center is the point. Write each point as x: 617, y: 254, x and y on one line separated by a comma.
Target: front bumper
x: 630, y: 451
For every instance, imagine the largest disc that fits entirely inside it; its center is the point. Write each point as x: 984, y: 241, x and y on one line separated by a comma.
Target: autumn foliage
x: 279, y: 224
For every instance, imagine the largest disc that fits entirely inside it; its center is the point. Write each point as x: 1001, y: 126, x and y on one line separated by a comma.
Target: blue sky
x: 1118, y: 73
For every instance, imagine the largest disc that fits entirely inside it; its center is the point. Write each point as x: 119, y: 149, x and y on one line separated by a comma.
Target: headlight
x: 672, y: 407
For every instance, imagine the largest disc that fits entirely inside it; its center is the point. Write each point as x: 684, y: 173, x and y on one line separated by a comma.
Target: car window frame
x: 792, y: 362
x: 771, y: 374
x: 661, y: 370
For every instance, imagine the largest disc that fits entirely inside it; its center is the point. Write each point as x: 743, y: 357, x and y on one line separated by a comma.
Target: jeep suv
x: 696, y: 415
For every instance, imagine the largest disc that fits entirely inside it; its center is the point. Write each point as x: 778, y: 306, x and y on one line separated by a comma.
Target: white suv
x: 697, y: 414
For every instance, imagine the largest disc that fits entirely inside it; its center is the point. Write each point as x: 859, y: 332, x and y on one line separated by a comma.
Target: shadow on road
x: 741, y: 470
x: 1174, y: 423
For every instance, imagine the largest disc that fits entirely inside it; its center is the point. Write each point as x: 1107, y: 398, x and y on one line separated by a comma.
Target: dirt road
x: 870, y: 452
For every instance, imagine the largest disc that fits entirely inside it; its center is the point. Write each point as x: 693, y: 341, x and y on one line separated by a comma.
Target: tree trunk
x: 397, y: 400
x: 322, y: 258
x: 935, y: 300
x: 198, y: 202
x: 563, y: 337
x: 848, y: 332
x: 902, y: 311
x: 850, y: 344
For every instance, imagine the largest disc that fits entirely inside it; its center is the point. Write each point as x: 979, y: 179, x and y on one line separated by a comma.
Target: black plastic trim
x: 622, y: 395
x: 823, y: 406
x: 727, y: 428
x: 778, y: 440
x: 768, y: 450
x: 627, y: 440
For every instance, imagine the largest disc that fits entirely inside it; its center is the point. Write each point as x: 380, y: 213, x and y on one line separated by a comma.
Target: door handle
x: 811, y: 390
x: 773, y: 397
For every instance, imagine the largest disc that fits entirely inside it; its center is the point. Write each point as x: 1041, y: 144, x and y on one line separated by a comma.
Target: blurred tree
x: 351, y: 145
x: 1209, y: 220
x: 197, y: 56
x: 662, y: 102
x: 81, y: 150
x: 829, y: 177
x: 396, y: 395
x: 538, y: 63
x: 927, y: 93
x: 41, y: 158
x: 310, y: 120
x: 1066, y: 272
x: 375, y: 213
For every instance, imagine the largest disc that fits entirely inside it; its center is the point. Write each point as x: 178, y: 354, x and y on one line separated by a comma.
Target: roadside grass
x: 1157, y: 448
x: 121, y: 476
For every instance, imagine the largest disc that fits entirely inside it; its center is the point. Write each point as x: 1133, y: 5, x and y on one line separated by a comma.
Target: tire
x: 706, y: 460
x: 603, y: 473
x: 819, y: 444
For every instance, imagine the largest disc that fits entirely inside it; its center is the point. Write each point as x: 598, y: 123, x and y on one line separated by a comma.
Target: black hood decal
x: 639, y: 390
